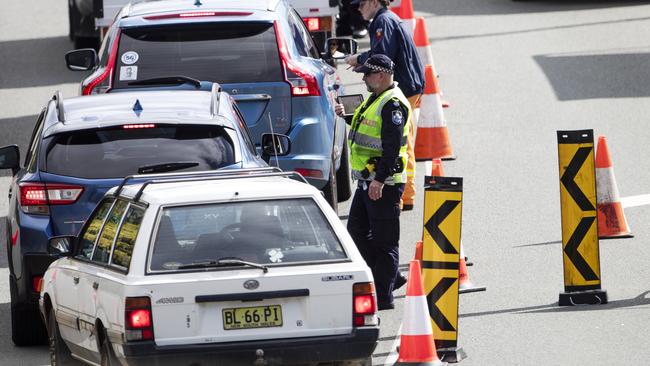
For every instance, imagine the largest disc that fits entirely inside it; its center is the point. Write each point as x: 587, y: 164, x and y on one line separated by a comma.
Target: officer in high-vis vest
x: 377, y: 141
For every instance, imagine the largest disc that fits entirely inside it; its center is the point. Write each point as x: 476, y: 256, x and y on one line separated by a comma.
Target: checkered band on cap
x: 378, y: 68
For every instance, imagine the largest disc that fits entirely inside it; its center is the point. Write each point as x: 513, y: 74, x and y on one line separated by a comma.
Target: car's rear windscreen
x: 221, y: 52
x: 117, y: 152
x: 266, y: 232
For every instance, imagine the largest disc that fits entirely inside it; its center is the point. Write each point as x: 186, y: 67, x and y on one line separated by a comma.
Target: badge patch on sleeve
x: 398, y: 118
x: 378, y: 33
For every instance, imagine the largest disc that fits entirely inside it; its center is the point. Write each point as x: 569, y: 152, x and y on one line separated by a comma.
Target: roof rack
x: 214, y: 101
x: 58, y: 99
x: 207, y: 175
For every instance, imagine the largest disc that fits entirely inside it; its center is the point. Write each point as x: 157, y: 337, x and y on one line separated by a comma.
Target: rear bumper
x: 358, y: 345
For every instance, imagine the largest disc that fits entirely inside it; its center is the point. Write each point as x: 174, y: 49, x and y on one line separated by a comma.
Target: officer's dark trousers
x: 374, y: 226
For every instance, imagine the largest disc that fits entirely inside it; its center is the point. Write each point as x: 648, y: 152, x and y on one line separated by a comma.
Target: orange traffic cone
x: 407, y: 15
x: 418, y: 251
x: 433, y: 138
x: 436, y: 168
x: 464, y: 284
x: 416, y: 342
x: 421, y: 39
x: 611, y: 218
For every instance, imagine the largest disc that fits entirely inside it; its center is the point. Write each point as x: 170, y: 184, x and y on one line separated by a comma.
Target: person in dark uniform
x: 389, y: 37
x: 377, y: 141
x: 350, y: 21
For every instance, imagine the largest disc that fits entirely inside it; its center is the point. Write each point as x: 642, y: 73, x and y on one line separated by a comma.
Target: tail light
x: 318, y: 24
x: 310, y: 173
x: 37, y: 283
x: 35, y: 198
x: 106, y: 76
x: 364, y: 304
x: 303, y: 84
x: 138, y: 322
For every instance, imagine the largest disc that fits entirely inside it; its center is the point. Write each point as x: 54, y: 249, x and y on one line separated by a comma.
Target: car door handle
x: 75, y: 280
x: 95, y: 285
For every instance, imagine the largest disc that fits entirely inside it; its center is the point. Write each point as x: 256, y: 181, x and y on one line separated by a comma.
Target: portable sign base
x: 441, y: 261
x: 581, y: 258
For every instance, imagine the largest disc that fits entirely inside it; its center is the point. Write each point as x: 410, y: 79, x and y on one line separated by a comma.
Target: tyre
x: 106, y: 351
x: 59, y: 352
x: 344, y: 176
x: 330, y: 190
x: 27, y: 328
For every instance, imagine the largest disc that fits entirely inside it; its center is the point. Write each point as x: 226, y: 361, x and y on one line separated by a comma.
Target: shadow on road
x: 576, y: 77
x: 12, y: 355
x: 35, y: 62
x: 639, y: 300
x: 538, y: 244
x: 494, y: 7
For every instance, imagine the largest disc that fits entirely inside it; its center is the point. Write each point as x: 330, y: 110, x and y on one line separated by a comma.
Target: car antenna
x: 275, y: 148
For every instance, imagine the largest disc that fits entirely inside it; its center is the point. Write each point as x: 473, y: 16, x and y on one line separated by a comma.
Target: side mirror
x: 274, y: 144
x: 61, y: 245
x: 82, y: 59
x: 10, y: 158
x: 340, y: 48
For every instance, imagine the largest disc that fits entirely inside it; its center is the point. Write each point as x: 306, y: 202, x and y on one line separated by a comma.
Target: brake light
x: 37, y: 283
x: 36, y: 197
x: 107, y: 75
x: 138, y: 322
x: 302, y: 82
x: 310, y: 173
x: 194, y: 14
x: 364, y: 304
x: 313, y: 24
x: 140, y: 125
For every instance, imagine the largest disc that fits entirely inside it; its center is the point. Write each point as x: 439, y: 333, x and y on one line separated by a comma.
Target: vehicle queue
x: 164, y: 99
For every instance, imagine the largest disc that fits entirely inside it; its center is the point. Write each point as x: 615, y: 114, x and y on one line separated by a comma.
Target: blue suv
x: 259, y: 51
x: 83, y: 146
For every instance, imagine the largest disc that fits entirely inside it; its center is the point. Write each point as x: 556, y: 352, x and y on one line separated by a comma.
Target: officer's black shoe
x: 400, y: 280
x: 386, y: 305
x: 359, y: 33
x: 407, y: 207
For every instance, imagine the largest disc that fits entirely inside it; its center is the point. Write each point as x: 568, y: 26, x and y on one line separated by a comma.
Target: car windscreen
x: 120, y: 151
x: 221, y: 52
x: 268, y: 232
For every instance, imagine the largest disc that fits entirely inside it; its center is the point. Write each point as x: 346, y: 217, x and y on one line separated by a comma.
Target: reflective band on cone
x: 611, y: 217
x: 433, y: 138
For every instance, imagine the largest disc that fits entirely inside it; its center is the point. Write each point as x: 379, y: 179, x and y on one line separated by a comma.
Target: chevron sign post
x: 440, y: 261
x: 580, y: 246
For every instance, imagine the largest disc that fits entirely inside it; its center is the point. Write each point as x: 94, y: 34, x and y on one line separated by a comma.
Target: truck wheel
x: 59, y: 352
x: 27, y: 328
x: 330, y: 190
x: 344, y: 177
x: 108, y: 357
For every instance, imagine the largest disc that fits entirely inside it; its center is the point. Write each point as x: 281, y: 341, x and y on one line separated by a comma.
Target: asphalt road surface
x: 514, y: 73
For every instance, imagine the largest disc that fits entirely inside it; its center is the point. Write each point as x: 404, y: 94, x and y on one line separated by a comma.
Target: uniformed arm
x: 394, y: 117
x: 384, y: 42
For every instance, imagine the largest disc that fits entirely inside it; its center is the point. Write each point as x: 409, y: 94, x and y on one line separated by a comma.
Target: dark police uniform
x: 374, y: 224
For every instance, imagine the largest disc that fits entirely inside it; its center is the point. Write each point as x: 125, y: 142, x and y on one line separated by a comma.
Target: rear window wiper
x: 166, y: 167
x: 177, y: 79
x: 224, y: 262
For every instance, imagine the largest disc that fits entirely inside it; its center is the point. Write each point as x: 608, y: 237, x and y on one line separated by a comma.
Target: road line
x: 634, y: 201
x: 392, y: 357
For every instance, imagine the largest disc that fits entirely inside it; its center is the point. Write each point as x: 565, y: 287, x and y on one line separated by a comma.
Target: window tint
x: 126, y: 238
x: 221, y: 52
x: 32, y: 152
x: 103, y: 250
x: 89, y: 235
x: 269, y: 232
x: 118, y: 152
x: 244, y: 130
x: 301, y: 36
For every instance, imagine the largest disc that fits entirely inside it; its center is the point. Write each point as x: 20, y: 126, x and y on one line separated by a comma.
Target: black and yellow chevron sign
x: 579, y: 215
x: 441, y: 255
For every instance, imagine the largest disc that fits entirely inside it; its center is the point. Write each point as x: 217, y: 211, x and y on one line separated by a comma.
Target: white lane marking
x: 4, y: 286
x: 634, y: 201
x: 392, y: 357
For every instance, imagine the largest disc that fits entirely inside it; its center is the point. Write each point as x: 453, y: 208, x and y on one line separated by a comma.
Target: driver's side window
x: 90, y: 232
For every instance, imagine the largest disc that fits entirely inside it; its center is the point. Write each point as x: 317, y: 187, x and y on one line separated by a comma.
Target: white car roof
x: 220, y: 190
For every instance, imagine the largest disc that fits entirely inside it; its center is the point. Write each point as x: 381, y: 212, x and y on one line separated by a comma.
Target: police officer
x: 377, y: 141
x: 389, y: 37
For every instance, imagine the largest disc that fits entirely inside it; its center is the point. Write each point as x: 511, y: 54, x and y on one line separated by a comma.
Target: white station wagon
x: 242, y: 267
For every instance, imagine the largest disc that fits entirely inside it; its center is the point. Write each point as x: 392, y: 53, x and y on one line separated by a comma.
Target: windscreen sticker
x: 128, y: 73
x: 130, y: 57
x: 275, y: 255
